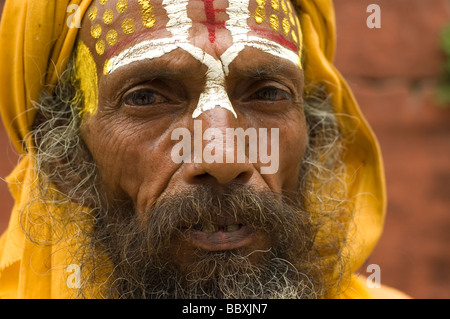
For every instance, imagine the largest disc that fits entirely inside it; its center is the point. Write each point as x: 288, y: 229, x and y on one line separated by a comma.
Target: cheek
x: 293, y: 141
x: 131, y: 159
x: 109, y: 150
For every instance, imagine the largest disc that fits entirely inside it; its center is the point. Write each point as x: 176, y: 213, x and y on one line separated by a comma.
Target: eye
x: 271, y: 94
x: 144, y: 98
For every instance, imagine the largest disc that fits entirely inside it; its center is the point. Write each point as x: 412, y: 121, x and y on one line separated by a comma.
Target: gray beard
x: 223, y: 275
x: 127, y: 256
x: 140, y: 263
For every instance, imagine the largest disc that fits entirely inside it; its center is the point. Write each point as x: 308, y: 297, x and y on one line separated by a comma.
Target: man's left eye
x: 144, y: 98
x: 271, y: 94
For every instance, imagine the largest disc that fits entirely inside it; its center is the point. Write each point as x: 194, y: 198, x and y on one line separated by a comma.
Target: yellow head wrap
x: 36, y: 43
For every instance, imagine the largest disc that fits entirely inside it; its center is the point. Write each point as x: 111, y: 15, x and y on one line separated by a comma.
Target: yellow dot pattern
x: 96, y: 31
x: 294, y: 36
x: 108, y: 16
x: 282, y: 17
x: 111, y: 37
x: 122, y: 6
x: 284, y: 6
x: 128, y: 26
x: 101, y: 18
x: 148, y: 17
x: 291, y: 18
x: 92, y: 13
x: 260, y: 12
x: 286, y: 26
x: 100, y: 47
x: 275, y: 4
x: 274, y: 22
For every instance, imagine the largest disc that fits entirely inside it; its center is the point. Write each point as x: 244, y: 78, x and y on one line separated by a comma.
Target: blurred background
x: 397, y: 73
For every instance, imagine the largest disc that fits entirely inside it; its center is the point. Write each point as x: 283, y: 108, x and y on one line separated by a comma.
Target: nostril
x: 217, y: 173
x: 203, y: 179
x: 206, y: 178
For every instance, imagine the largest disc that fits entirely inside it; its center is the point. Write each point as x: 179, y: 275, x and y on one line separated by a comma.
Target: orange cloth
x: 36, y: 43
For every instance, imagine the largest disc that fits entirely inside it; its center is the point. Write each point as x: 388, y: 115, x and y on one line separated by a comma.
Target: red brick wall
x: 393, y: 72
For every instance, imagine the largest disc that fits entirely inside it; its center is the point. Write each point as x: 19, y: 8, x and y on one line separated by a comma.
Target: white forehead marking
x: 262, y: 44
x: 148, y: 49
x: 238, y: 13
x: 179, y: 23
x: 214, y: 94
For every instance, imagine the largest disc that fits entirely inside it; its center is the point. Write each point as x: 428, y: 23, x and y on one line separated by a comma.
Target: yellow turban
x: 36, y: 43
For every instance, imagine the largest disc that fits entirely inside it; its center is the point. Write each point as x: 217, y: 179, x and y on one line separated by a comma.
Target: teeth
x: 233, y: 227
x: 210, y: 228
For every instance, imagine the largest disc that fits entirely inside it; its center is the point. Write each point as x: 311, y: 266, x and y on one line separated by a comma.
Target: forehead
x: 112, y: 26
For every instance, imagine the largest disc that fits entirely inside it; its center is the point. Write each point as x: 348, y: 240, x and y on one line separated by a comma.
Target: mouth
x: 219, y: 237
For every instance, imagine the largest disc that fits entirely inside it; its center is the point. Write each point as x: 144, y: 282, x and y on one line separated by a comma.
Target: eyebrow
x: 262, y: 71
x: 267, y: 69
x: 164, y: 67
x: 265, y: 45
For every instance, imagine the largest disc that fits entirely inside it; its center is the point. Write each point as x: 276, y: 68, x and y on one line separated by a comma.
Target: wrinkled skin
x: 141, y: 103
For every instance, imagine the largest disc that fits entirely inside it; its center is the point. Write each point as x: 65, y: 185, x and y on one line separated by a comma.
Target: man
x: 184, y: 149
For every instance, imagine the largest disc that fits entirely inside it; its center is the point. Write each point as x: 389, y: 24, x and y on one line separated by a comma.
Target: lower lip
x: 220, y: 240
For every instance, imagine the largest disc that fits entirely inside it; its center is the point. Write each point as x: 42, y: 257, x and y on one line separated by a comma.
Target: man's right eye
x: 144, y: 98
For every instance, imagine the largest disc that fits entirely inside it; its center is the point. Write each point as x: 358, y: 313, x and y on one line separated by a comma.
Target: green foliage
x: 443, y: 91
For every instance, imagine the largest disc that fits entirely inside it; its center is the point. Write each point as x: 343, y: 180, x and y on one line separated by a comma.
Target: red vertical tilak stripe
x: 210, y: 19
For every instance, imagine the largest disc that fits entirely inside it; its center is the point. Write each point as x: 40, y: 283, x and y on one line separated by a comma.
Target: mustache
x: 140, y: 246
x: 264, y: 211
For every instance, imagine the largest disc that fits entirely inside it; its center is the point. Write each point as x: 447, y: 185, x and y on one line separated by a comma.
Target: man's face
x: 203, y: 68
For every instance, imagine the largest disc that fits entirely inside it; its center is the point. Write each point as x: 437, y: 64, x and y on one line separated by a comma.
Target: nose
x: 217, y: 173
x: 215, y: 160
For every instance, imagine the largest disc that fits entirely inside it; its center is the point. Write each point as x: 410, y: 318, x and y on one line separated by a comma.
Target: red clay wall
x: 393, y: 72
